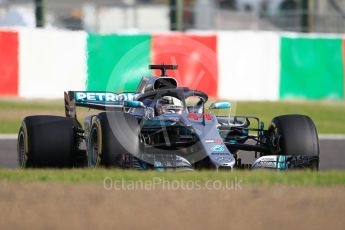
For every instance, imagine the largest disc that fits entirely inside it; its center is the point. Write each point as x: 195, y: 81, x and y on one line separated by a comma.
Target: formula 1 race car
x: 162, y: 126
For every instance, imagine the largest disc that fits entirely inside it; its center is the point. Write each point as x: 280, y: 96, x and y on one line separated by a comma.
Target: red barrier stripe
x: 8, y: 63
x: 196, y: 56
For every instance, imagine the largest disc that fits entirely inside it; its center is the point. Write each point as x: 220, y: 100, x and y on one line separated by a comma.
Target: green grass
x: 22, y: 105
x: 9, y: 126
x: 329, y: 116
x: 291, y: 178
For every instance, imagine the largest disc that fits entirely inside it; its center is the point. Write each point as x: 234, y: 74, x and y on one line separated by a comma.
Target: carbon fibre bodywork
x: 193, y: 139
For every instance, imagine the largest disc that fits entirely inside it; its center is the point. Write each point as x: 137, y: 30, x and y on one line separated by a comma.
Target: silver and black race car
x: 162, y: 126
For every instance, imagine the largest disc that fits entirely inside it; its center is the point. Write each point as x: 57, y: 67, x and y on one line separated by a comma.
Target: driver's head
x: 168, y: 104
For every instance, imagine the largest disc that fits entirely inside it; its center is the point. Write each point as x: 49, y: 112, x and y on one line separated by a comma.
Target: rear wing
x: 98, y: 100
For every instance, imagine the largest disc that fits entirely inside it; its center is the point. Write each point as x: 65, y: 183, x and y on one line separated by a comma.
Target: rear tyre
x: 46, y: 141
x: 295, y: 135
x: 113, y: 136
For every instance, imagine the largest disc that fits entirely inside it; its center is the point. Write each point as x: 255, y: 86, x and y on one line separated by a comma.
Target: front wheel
x: 112, y: 136
x: 295, y: 135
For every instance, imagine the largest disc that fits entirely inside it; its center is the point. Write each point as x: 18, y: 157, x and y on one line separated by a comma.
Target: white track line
x: 8, y: 136
x: 332, y: 137
x: 321, y: 136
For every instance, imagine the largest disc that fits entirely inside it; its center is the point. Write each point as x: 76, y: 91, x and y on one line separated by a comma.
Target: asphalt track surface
x: 332, y: 152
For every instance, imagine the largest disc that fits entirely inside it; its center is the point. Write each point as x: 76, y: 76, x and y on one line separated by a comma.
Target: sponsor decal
x: 220, y: 154
x: 103, y: 97
x: 196, y: 117
x: 282, y: 162
x: 218, y: 148
x: 213, y: 141
x: 270, y: 159
x: 222, y: 157
x: 166, y: 116
x: 266, y: 162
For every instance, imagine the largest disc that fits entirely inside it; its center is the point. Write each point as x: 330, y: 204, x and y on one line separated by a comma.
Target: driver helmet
x: 168, y: 104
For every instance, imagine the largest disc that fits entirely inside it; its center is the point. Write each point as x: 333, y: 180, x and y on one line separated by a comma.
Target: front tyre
x: 94, y: 149
x: 113, y: 136
x: 295, y: 135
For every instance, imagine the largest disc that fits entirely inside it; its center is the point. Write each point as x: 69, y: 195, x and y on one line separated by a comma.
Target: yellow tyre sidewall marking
x: 97, y: 123
x: 26, y: 145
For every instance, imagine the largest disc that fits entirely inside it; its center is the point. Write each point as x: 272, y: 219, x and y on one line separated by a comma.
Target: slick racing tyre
x: 295, y: 135
x: 112, y: 136
x: 46, y: 141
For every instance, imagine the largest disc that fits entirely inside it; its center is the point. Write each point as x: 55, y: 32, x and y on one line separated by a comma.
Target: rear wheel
x: 113, y: 136
x: 46, y: 141
x: 295, y: 135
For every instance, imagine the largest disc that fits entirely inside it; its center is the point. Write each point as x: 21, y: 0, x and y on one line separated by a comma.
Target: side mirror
x: 134, y: 104
x: 220, y: 105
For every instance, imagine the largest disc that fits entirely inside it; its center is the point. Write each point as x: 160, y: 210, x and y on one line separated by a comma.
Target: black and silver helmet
x: 168, y: 104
